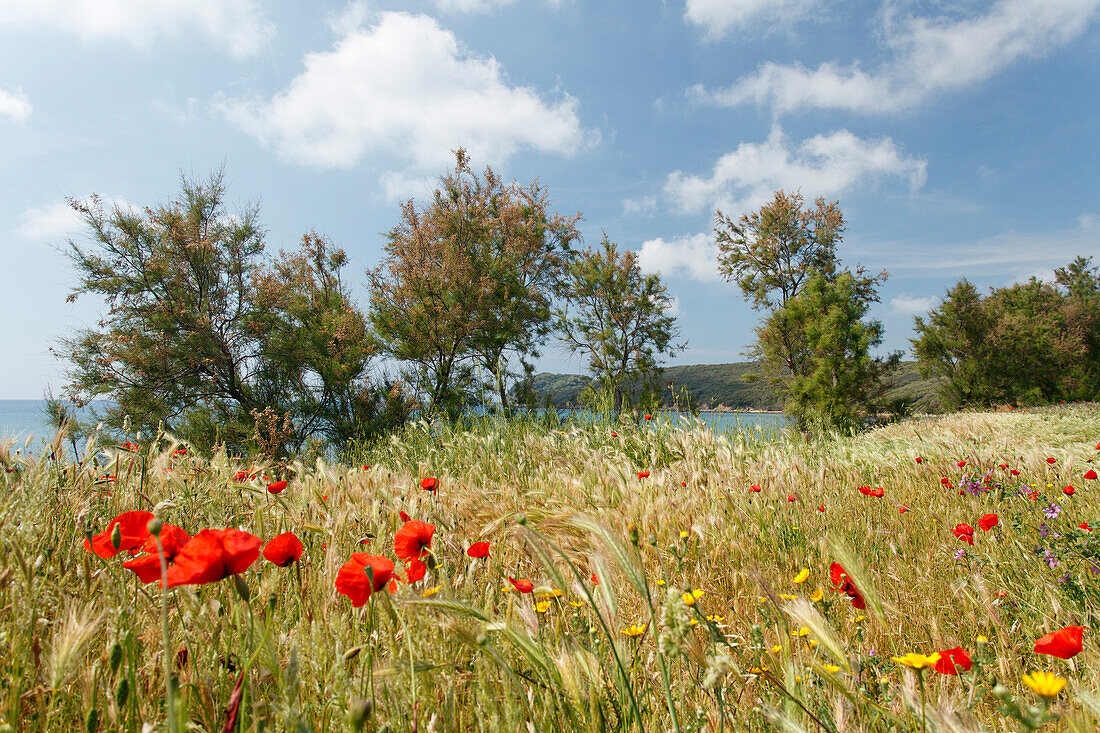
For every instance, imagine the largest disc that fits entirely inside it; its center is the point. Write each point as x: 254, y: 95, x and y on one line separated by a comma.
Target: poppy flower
x: 413, y: 540
x: 648, y: 417
x: 1069, y: 491
x: 133, y: 529
x: 1085, y: 526
x: 988, y: 522
x: 755, y: 487
x: 790, y: 497
x: 614, y: 435
x: 1090, y: 474
x: 147, y: 567
x: 965, y: 533
x: 214, y: 554
x: 429, y: 483
x: 478, y: 549
x: 129, y: 446
x: 1002, y: 466
x: 415, y: 571
x: 1052, y: 461
x: 842, y: 584
x: 277, y: 487
x: 684, y: 484
x: 949, y: 658
x: 643, y: 474
x: 903, y: 508
x: 1015, y: 472
x: 821, y: 507
x: 240, y: 476
x: 594, y: 579
x: 366, y: 467
x: 1064, y: 644
x: 523, y: 586
x: 878, y: 492
x: 283, y: 550
x: 945, y: 481
x: 352, y: 579
x: 404, y: 517
x: 179, y: 452
x: 920, y: 460
x: 865, y: 490
x: 960, y: 464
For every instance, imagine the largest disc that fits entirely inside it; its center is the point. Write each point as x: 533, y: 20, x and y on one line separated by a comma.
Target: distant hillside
x: 716, y: 386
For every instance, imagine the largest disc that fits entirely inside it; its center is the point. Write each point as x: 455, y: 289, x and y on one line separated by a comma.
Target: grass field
x: 678, y: 600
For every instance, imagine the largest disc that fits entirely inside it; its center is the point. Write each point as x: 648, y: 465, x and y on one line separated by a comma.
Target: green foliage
x: 618, y: 317
x: 1028, y: 343
x: 203, y: 334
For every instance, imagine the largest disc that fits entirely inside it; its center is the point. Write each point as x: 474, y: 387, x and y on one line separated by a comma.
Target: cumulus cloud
x: 719, y: 16
x: 912, y: 305
x: 476, y: 6
x: 644, y: 206
x: 824, y: 165
x: 15, y: 106
x: 693, y: 256
x: 406, y: 86
x: 57, y: 220
x: 925, y: 56
x: 237, y: 26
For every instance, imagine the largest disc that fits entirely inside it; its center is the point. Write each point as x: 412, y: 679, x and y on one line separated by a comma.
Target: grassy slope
x: 711, y: 385
x: 479, y: 652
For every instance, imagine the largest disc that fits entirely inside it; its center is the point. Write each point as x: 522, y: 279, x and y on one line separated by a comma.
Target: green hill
x: 725, y: 386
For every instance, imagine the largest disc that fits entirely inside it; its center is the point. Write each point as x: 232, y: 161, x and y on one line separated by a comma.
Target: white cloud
x: 238, y: 26
x: 926, y: 56
x: 719, y: 16
x: 644, y: 206
x: 694, y: 256
x: 912, y: 305
x: 406, y: 87
x: 476, y: 6
x: 824, y: 165
x: 1088, y: 221
x: 57, y: 220
x: 15, y: 106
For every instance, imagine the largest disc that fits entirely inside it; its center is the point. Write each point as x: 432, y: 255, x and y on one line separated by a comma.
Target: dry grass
x: 558, y: 507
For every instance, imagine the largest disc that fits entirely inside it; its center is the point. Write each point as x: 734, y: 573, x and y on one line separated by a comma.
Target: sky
x: 959, y: 137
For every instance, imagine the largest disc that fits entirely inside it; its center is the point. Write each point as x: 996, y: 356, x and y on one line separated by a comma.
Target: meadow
x: 637, y: 576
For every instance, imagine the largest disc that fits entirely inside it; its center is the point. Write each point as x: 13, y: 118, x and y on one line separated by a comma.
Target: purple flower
x: 1051, y: 560
x: 960, y: 554
x: 1052, y: 511
x: 1064, y: 578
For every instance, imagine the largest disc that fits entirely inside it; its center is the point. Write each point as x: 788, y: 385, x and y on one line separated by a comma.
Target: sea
x: 23, y: 419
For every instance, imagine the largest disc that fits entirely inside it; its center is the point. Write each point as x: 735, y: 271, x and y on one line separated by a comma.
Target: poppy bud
x: 521, y: 519
x: 482, y: 640
x: 358, y: 712
x: 632, y: 531
x: 115, y: 656
x: 651, y: 539
x: 154, y: 527
x: 91, y: 721
x: 242, y: 588
x: 116, y: 536
x: 122, y: 692
x: 272, y: 601
x: 352, y: 653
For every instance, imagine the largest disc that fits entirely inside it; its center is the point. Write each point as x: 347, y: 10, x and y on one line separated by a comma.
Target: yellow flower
x: 787, y: 596
x: 982, y: 640
x: 551, y: 594
x: 757, y: 670
x: 431, y: 591
x: 859, y: 619
x: 1044, y: 684
x: 918, y: 661
x: 797, y: 679
x: 804, y: 631
x: 634, y: 631
x: 577, y: 604
x: 802, y: 576
x: 817, y: 595
x: 660, y: 582
x: 776, y: 649
x: 693, y: 622
x: 831, y: 668
x: 542, y: 606
x: 716, y: 619
x: 690, y: 598
x: 507, y: 589
x: 683, y: 534
x: 812, y: 643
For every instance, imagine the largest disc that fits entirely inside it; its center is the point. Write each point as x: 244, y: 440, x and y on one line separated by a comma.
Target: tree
x: 813, y: 343
x: 953, y: 345
x: 619, y: 317
x: 469, y: 280
x: 203, y: 334
x: 1080, y: 281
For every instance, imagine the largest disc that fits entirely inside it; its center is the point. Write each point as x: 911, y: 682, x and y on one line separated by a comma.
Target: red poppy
x: 821, y: 507
x: 214, y: 554
x: 283, y: 550
x: 920, y: 460
x: 277, y: 487
x: 965, y: 533
x: 1091, y: 474
x: 949, y: 658
x: 179, y: 452
x: 865, y: 490
x: 1085, y: 526
x: 988, y: 522
x: 594, y: 579
x: 147, y: 567
x: 684, y: 483
x: 790, y: 497
x: 404, y: 517
x: 614, y: 435
x: 903, y: 508
x: 414, y: 571
x: 523, y: 586
x: 842, y: 584
x: 1014, y: 472
x: 960, y: 464
x: 755, y: 487
x: 643, y: 474
x: 366, y: 467
x: 429, y: 483
x: 1052, y: 460
x: 129, y: 446
x: 413, y: 540
x: 945, y: 481
x: 878, y: 492
x: 648, y: 417
x: 478, y: 549
x: 1064, y: 644
x: 241, y: 476
x: 133, y: 529
x: 353, y: 581
x: 1069, y: 491
x: 1002, y: 466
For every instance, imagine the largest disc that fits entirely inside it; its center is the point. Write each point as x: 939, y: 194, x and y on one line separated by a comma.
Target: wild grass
x: 81, y: 643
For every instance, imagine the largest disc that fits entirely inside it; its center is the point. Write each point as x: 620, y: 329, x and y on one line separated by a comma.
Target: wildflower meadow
x: 935, y: 574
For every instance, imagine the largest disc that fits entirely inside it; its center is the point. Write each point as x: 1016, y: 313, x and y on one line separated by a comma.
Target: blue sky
x: 959, y: 137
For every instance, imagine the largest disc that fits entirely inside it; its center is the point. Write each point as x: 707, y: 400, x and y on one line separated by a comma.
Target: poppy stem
x: 169, y: 696
x: 920, y: 681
